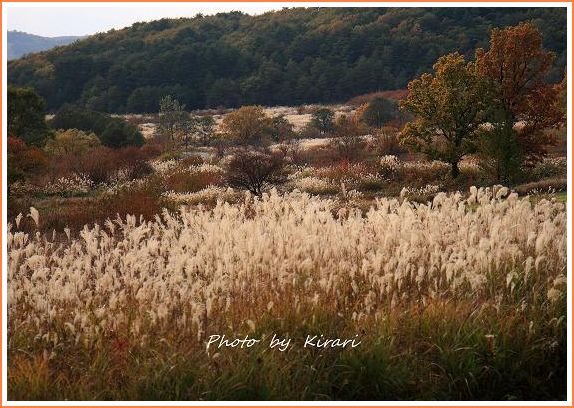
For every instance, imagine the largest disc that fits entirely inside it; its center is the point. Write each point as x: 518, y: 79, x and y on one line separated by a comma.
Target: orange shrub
x: 24, y: 161
x: 187, y: 181
x: 74, y: 213
x: 103, y: 163
x: 396, y: 94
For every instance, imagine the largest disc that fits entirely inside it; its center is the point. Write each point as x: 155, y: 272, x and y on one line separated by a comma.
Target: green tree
x: 112, y: 131
x: 204, y: 128
x: 287, y: 57
x: 449, y: 107
x: 173, y: 119
x: 118, y: 133
x: 26, y: 116
x: 281, y: 128
x: 379, y: 112
x: 322, y: 120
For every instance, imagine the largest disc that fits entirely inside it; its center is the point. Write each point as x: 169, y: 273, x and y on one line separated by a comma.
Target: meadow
x: 455, y: 294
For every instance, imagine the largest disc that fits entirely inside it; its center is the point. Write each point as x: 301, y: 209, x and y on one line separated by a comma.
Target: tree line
x: 499, y: 107
x: 288, y: 57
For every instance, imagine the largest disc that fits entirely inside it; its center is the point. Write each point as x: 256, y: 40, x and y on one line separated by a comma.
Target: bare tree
x: 253, y: 170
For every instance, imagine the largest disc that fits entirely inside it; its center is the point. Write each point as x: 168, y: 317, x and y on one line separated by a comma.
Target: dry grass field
x: 459, y: 298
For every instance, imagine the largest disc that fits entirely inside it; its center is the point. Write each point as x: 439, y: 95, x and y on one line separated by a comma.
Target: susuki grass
x: 449, y: 303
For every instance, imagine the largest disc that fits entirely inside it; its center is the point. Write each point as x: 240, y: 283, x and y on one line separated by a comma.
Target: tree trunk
x: 454, y: 170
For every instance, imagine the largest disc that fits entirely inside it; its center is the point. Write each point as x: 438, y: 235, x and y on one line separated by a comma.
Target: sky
x: 84, y: 19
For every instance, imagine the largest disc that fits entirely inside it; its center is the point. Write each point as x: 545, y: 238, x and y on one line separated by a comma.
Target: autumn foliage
x: 517, y: 63
x: 247, y: 125
x: 449, y: 108
x: 24, y: 160
x: 499, y: 106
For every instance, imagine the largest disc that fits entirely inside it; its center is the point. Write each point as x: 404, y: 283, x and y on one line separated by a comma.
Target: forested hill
x: 285, y: 57
x: 20, y: 43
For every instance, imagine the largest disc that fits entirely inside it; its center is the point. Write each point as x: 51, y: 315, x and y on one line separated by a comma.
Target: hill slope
x: 287, y: 57
x: 20, y: 43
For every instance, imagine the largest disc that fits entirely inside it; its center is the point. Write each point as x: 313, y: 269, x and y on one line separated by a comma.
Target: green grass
x: 561, y: 196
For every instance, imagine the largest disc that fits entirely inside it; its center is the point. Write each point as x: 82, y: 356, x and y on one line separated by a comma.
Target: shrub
x: 192, y: 179
x: 386, y: 142
x: 112, y: 132
x: 254, y: 170
x: 548, y: 168
x: 102, y: 164
x: 152, y: 149
x: 24, y: 161
x: 247, y: 125
x: 371, y: 184
x: 349, y: 147
x: 391, y: 167
x: 71, y: 141
x: 74, y: 213
x: 309, y: 132
x: 379, y: 112
x: 366, y: 98
x: 281, y: 129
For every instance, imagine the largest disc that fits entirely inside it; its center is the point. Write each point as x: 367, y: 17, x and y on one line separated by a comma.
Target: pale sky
x: 83, y: 19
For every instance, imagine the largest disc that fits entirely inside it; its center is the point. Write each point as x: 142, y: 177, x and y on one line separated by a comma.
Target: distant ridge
x: 289, y: 57
x: 21, y: 43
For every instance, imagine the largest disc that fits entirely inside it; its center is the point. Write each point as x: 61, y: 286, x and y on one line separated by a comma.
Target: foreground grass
x: 447, y: 303
x: 447, y: 350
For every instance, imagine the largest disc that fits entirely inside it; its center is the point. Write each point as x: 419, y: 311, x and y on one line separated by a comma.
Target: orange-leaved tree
x: 24, y: 161
x: 247, y: 125
x: 449, y: 107
x: 517, y: 64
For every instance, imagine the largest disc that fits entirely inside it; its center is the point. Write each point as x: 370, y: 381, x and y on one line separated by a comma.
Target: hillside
x: 21, y: 43
x: 286, y: 57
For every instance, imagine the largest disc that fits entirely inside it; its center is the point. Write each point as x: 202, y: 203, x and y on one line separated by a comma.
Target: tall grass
x: 449, y: 303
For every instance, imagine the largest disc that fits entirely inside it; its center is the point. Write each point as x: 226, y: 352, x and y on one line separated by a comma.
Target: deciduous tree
x: 254, y: 170
x: 322, y: 120
x: 517, y: 64
x: 247, y: 125
x: 23, y: 160
x: 449, y: 107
